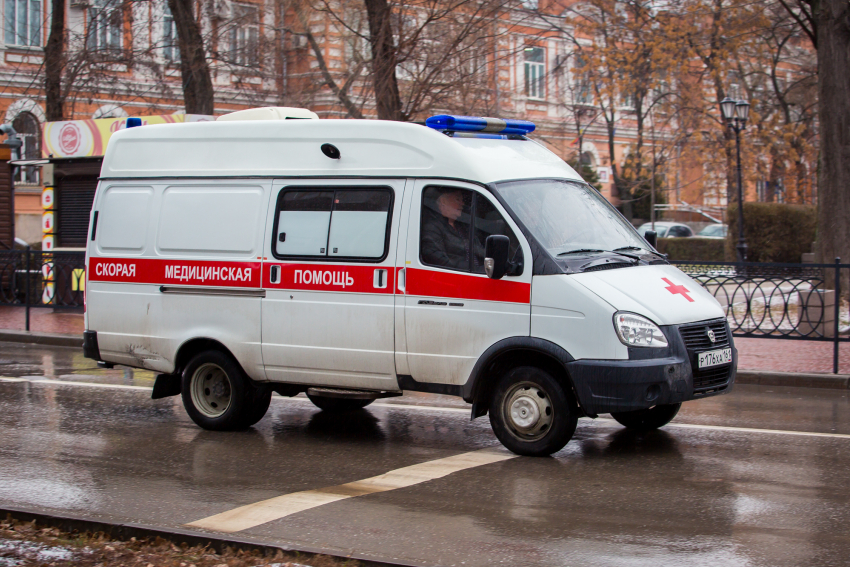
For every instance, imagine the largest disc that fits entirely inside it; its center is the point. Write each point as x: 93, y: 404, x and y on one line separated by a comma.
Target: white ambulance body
x: 349, y: 259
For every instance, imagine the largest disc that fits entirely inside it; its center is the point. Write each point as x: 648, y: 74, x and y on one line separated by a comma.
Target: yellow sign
x: 87, y: 138
x: 78, y: 280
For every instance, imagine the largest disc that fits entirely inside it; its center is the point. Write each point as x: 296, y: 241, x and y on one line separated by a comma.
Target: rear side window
x: 348, y: 224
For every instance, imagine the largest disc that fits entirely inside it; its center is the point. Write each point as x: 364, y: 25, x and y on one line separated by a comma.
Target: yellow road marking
x: 258, y: 513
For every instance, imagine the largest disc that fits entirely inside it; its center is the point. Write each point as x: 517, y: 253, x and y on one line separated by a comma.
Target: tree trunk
x: 197, y: 83
x: 387, y: 97
x: 54, y: 63
x: 833, y: 33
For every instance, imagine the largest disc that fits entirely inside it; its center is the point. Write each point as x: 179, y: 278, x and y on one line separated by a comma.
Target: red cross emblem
x: 674, y: 289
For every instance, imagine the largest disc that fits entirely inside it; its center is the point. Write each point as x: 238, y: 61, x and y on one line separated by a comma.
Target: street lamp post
x: 735, y: 113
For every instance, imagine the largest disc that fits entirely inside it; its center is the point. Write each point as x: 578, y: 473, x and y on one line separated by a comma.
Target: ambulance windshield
x: 569, y: 217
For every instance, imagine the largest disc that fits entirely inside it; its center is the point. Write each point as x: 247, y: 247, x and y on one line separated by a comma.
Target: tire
x: 531, y: 413
x: 647, y: 419
x: 338, y: 405
x: 217, y: 394
x: 259, y: 405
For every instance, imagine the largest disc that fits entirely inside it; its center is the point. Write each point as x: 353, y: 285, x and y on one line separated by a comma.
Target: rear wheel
x: 531, y: 413
x: 338, y: 405
x: 648, y: 419
x: 217, y: 394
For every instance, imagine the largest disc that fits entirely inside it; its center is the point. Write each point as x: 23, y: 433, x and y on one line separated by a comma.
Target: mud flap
x: 166, y: 385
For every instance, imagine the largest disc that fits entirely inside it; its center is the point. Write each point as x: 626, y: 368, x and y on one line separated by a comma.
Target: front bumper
x: 650, y: 377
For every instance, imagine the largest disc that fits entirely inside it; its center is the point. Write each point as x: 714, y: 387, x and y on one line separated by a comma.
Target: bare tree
x: 826, y: 23
x: 198, y: 94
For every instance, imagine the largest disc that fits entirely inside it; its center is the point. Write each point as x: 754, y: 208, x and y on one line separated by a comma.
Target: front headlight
x: 638, y: 331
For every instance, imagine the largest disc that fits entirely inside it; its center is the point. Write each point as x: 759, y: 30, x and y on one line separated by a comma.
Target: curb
x: 794, y: 379
x: 48, y: 339
x: 177, y: 536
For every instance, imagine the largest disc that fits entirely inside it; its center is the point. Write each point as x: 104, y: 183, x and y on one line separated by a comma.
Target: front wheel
x: 647, y: 419
x: 531, y: 413
x: 217, y: 394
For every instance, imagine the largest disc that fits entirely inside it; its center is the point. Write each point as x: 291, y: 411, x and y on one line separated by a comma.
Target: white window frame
x: 243, y: 33
x: 106, y: 26
x: 170, y: 47
x: 535, y: 73
x: 24, y: 31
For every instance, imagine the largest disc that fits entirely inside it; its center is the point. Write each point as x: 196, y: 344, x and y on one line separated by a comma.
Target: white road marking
x: 754, y: 430
x: 265, y: 511
x: 599, y: 420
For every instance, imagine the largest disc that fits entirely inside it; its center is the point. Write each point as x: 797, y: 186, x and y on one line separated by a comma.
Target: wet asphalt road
x: 729, y: 483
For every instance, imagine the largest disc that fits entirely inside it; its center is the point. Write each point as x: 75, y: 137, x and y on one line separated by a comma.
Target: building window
x: 244, y: 35
x: 581, y: 82
x: 535, y: 72
x: 170, y: 48
x: 23, y: 22
x: 105, y: 26
x: 26, y: 125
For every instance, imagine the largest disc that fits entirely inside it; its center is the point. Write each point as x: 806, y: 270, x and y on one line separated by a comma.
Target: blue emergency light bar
x: 451, y: 123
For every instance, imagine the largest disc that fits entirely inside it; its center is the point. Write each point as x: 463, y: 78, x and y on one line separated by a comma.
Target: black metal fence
x: 775, y: 301
x: 779, y: 301
x: 33, y: 278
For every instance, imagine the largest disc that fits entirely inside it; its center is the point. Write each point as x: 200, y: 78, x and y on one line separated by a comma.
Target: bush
x: 693, y: 249
x: 775, y: 232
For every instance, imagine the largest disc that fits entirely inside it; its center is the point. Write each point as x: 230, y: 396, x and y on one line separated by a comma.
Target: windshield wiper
x: 630, y: 248
x: 580, y: 250
x: 587, y: 250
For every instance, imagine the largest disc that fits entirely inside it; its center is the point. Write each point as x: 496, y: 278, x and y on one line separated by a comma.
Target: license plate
x: 715, y: 358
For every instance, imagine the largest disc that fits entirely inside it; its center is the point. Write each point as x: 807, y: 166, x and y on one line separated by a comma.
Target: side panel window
x: 359, y: 224
x: 333, y: 223
x: 455, y: 226
x: 303, y: 220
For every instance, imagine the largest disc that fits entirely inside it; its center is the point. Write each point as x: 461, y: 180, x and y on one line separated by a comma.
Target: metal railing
x: 778, y: 301
x: 773, y: 301
x: 33, y: 279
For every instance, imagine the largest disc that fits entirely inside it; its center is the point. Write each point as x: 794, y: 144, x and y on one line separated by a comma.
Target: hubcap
x: 211, y: 391
x: 528, y: 411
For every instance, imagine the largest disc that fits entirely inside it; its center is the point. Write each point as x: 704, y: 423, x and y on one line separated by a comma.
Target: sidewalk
x: 774, y: 355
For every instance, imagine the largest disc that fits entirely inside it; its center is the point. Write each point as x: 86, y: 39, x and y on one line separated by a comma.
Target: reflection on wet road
x: 695, y: 495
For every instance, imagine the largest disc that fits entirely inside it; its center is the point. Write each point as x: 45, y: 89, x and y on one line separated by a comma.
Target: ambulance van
x: 353, y: 260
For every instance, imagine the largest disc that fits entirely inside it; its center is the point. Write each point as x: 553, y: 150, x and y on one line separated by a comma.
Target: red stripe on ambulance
x: 433, y: 283
x: 175, y: 272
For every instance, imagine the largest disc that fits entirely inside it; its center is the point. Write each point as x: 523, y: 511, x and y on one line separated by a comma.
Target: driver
x: 445, y: 239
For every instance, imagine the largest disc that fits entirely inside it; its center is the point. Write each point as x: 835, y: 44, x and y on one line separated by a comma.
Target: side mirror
x: 651, y: 237
x: 496, y: 250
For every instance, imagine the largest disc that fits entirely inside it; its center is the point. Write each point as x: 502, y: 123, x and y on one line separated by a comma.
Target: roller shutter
x: 74, y: 198
x: 7, y: 206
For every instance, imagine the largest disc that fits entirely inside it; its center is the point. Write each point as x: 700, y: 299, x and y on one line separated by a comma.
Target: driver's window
x: 489, y: 221
x: 454, y: 228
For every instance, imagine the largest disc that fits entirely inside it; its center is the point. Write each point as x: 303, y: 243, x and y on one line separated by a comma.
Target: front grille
x: 711, y: 378
x: 696, y: 336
